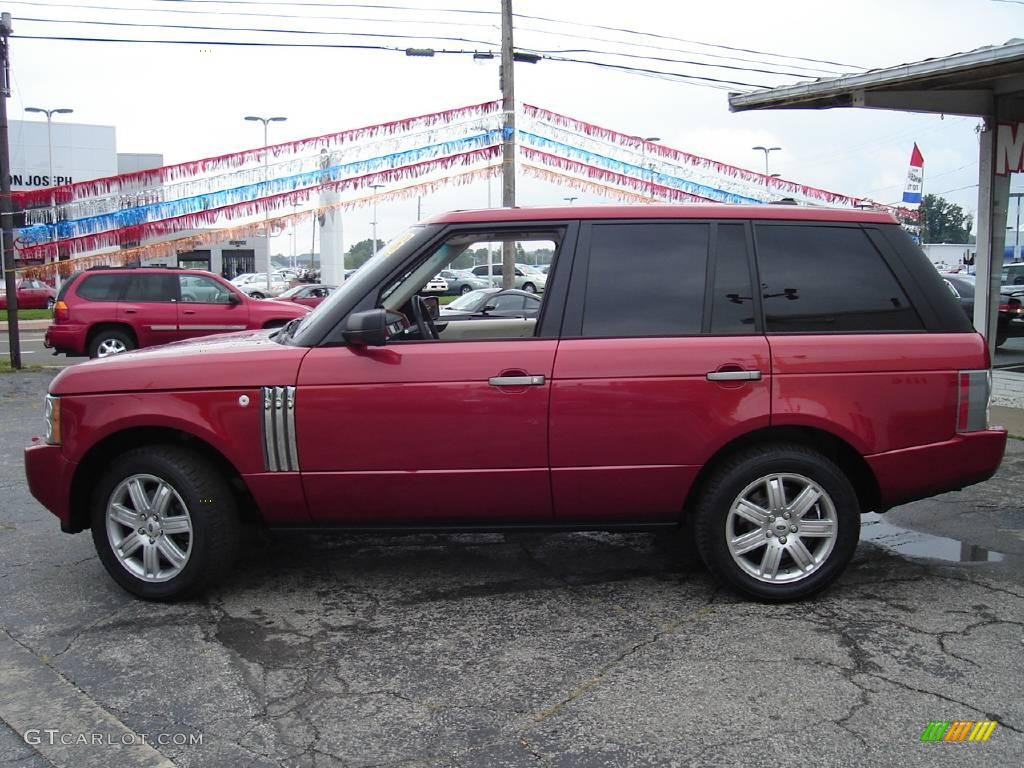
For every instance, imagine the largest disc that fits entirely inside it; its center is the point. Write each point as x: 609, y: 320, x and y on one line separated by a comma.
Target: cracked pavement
x: 585, y: 649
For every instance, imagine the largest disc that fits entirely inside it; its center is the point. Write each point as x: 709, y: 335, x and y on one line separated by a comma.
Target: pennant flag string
x: 584, y: 185
x: 604, y: 174
x: 171, y: 248
x: 156, y: 176
x: 135, y: 216
x: 779, y: 186
x: 209, y: 217
x: 107, y: 204
x: 628, y: 169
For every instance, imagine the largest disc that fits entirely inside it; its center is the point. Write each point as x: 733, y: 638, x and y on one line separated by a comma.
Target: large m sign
x: 1009, y: 148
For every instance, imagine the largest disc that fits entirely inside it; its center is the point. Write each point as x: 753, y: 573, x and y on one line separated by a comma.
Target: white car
x: 437, y: 285
x: 257, y: 288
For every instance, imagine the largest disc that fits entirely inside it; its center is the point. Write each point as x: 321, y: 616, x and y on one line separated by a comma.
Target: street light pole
x: 508, y: 149
x: 6, y: 213
x: 375, y: 187
x: 767, y: 151
x: 51, y: 181
x: 643, y: 164
x: 266, y: 178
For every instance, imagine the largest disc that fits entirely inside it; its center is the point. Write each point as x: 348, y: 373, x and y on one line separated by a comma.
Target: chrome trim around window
x: 280, y: 451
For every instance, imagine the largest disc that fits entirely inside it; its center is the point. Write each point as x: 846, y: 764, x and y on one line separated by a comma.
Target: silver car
x: 527, y: 278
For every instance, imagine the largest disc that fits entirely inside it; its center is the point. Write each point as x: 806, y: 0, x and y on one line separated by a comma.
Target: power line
x: 262, y: 30
x: 643, y: 70
x: 377, y: 20
x: 395, y: 36
x: 548, y: 19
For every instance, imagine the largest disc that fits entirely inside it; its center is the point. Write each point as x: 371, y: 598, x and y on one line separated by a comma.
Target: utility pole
x: 6, y: 209
x: 508, y: 147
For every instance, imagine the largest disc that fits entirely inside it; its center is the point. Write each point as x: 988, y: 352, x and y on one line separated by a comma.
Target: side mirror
x: 432, y: 305
x: 366, y: 329
x: 488, y: 308
x: 233, y: 299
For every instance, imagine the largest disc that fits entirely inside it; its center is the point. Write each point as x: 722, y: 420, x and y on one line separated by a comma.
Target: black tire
x: 50, y: 302
x: 465, y: 289
x: 256, y: 295
x: 529, y: 287
x: 209, y: 503
x: 744, y: 472
x: 1001, y: 337
x: 105, y: 338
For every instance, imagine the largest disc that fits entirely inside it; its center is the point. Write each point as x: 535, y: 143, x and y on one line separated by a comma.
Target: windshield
x: 293, y: 291
x: 359, y: 281
x: 471, y: 301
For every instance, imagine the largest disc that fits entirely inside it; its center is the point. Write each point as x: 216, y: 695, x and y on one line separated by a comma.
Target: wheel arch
x: 833, y: 447
x: 105, y: 326
x: 90, y: 468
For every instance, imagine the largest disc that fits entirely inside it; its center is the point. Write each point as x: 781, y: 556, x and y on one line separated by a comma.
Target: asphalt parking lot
x: 526, y: 650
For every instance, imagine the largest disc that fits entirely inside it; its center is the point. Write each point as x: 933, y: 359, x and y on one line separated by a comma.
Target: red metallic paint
x: 414, y: 430
x: 911, y: 473
x: 642, y: 416
x: 49, y: 476
x: 877, y: 392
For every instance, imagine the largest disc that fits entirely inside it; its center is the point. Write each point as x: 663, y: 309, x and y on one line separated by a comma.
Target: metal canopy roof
x: 960, y: 84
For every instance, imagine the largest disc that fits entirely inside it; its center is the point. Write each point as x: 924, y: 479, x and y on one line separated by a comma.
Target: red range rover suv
x: 104, y: 311
x: 757, y: 375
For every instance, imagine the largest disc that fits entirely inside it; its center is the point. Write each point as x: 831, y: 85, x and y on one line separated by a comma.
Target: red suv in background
x: 756, y: 375
x: 107, y: 310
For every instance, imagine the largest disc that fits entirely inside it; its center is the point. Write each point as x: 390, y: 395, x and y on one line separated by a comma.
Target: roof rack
x: 130, y: 266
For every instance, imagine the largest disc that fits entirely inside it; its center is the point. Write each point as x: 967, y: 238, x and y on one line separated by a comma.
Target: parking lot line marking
x: 35, y: 697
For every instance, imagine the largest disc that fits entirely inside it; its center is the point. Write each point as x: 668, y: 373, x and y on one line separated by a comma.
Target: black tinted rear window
x: 818, y: 278
x: 102, y: 287
x: 646, y: 280
x: 152, y: 287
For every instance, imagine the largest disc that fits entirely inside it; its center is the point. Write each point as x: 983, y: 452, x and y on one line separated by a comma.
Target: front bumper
x: 49, y: 476
x: 916, y: 473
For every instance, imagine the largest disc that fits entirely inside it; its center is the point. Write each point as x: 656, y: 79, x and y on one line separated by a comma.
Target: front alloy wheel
x: 149, y: 528
x: 164, y: 522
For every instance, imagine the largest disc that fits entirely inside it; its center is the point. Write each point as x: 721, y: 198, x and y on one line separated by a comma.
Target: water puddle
x: 903, y: 541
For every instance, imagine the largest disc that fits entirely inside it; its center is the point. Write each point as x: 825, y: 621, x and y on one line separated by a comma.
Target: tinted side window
x: 152, y: 288
x: 732, y: 297
x: 822, y: 278
x: 102, y: 287
x: 646, y: 279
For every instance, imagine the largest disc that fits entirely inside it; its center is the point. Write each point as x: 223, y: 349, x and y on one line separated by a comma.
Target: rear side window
x: 152, y: 287
x: 103, y: 287
x: 646, y: 279
x: 818, y: 279
x: 732, y: 296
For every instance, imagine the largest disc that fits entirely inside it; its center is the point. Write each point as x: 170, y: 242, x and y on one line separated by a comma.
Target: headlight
x: 51, y: 411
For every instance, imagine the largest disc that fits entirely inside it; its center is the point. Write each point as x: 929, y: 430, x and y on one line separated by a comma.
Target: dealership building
x: 81, y: 152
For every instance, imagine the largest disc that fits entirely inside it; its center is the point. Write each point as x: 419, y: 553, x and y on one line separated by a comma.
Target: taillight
x: 973, y: 391
x: 60, y: 312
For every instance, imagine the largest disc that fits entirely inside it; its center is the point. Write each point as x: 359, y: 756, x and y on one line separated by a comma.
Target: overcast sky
x: 188, y: 101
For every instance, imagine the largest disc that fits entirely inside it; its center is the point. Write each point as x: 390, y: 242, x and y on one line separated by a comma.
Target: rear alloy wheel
x: 530, y: 288
x: 164, y: 523
x: 778, y: 522
x: 112, y: 341
x: 50, y: 302
x: 466, y: 289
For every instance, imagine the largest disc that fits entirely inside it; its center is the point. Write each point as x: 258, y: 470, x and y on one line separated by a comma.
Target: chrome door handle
x: 734, y: 376
x: 516, y: 381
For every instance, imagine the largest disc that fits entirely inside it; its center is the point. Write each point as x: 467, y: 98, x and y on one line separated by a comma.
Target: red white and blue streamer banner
x: 728, y: 179
x: 627, y: 183
x: 168, y: 249
x: 585, y: 185
x: 98, y: 206
x: 649, y: 176
x: 132, y: 183
x: 240, y: 210
x: 322, y: 178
